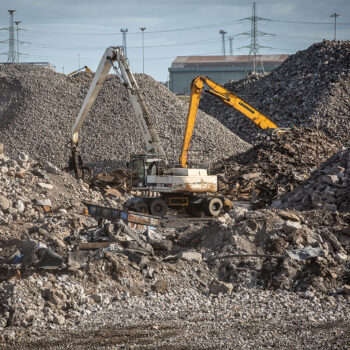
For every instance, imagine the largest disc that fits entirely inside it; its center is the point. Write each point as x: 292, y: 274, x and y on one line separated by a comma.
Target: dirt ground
x: 186, y: 334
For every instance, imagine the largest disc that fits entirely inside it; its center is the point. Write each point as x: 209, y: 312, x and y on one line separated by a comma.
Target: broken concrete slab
x: 287, y: 215
x: 305, y: 253
x: 291, y: 226
x: 216, y: 287
x: 190, y: 256
x: 45, y: 186
x: 4, y: 203
x: 48, y: 259
x: 77, y: 259
x: 44, y: 202
x: 39, y: 256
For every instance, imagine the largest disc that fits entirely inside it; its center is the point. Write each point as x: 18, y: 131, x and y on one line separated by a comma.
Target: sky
x: 72, y: 33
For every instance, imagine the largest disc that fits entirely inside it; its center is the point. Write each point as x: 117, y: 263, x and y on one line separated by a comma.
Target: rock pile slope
x: 276, y: 166
x: 327, y: 188
x: 38, y: 108
x: 311, y: 88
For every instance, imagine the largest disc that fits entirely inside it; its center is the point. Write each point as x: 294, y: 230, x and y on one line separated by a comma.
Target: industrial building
x: 219, y: 68
x: 47, y: 65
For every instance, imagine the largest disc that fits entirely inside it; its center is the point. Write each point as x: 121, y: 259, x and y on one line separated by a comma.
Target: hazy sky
x: 61, y: 31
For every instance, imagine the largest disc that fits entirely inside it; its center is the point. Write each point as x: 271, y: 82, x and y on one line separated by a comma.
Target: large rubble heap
x: 38, y: 108
x: 311, y: 88
x: 296, y: 252
x: 327, y: 188
x: 275, y: 167
x: 49, y: 283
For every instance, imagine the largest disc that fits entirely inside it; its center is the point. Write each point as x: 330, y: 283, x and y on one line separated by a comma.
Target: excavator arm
x: 225, y: 96
x: 87, y: 69
x: 143, y: 117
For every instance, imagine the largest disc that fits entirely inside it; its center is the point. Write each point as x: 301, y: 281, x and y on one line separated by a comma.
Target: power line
x: 205, y: 41
x: 138, y: 33
x: 306, y: 22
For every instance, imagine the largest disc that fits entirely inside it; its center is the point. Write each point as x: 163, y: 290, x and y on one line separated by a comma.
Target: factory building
x: 47, y: 65
x: 221, y: 69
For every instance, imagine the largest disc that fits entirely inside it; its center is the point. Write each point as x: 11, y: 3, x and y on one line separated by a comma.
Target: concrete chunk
x: 290, y: 226
x: 217, y: 287
x: 190, y: 256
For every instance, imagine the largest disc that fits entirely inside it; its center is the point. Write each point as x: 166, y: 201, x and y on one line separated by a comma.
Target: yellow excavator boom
x: 227, y: 97
x: 87, y: 69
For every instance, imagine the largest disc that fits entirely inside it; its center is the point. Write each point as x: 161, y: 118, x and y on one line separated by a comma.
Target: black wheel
x: 158, y: 207
x: 141, y: 207
x: 213, y: 206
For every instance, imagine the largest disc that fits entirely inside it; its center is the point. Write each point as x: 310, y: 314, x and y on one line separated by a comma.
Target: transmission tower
x: 17, y: 29
x: 12, y: 49
x: 223, y: 46
x: 254, y: 36
x: 124, y: 31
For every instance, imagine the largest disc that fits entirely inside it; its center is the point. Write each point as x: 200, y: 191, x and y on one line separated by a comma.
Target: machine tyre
x: 142, y: 207
x: 158, y: 207
x: 213, y: 206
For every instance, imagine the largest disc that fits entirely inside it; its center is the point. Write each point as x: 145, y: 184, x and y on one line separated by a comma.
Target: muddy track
x: 190, y: 335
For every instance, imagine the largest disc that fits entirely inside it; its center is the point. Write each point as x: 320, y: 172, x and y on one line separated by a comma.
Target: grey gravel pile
x: 311, y: 88
x: 38, y: 108
x: 327, y: 188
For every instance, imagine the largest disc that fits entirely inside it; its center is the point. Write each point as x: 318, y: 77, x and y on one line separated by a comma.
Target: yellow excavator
x: 228, y: 97
x: 87, y: 69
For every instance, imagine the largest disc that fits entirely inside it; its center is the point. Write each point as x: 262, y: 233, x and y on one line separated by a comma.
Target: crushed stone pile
x: 327, y: 188
x: 38, y: 108
x: 311, y: 88
x: 275, y: 167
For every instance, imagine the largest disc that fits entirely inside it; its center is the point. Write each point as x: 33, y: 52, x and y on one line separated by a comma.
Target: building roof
x: 224, y: 61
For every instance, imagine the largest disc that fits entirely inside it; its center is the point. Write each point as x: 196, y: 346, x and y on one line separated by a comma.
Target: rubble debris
x: 310, y: 88
x: 15, y: 258
x: 283, y: 163
x: 77, y: 258
x: 216, y: 287
x: 307, y: 252
x: 136, y: 221
x: 326, y: 189
x: 40, y: 125
x: 39, y: 256
x: 190, y: 256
